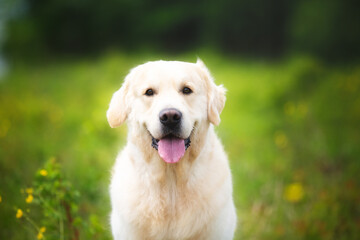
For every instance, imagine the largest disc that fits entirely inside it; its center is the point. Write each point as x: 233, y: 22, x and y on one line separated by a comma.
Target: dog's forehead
x: 161, y: 72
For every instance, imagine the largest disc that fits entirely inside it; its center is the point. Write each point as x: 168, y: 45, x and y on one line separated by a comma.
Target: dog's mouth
x: 171, y: 148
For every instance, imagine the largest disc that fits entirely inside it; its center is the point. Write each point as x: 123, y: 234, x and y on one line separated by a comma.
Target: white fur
x: 154, y: 200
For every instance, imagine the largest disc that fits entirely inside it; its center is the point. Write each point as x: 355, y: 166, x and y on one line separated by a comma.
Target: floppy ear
x: 118, y: 108
x: 216, y: 95
x: 216, y: 103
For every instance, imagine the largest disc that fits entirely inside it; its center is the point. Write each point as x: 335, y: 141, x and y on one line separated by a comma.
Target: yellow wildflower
x: 294, y: 192
x: 43, y: 172
x: 281, y: 140
x: 41, y: 231
x: 19, y: 213
x: 0, y: 199
x: 29, y: 190
x: 29, y: 199
x: 40, y: 235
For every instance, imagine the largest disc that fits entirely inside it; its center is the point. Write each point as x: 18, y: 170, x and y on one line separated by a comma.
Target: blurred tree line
x: 328, y: 29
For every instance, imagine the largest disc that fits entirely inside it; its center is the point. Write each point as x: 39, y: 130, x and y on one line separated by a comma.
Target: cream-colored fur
x: 155, y: 200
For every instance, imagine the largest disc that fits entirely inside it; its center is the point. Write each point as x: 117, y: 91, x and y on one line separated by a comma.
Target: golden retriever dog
x: 172, y: 180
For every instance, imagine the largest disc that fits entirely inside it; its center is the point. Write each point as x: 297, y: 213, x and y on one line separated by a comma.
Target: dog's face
x: 166, y: 101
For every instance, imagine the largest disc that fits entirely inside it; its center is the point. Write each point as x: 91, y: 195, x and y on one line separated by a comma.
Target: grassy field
x: 291, y: 130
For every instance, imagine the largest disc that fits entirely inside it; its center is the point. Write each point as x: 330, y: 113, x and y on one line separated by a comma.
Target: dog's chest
x: 170, y: 210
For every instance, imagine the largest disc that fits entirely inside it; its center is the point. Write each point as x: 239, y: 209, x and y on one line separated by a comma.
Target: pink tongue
x: 171, y: 149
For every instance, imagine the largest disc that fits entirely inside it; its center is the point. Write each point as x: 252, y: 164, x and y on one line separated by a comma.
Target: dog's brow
x: 188, y: 84
x: 146, y: 87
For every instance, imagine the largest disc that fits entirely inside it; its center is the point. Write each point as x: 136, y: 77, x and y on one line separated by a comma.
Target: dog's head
x: 166, y: 100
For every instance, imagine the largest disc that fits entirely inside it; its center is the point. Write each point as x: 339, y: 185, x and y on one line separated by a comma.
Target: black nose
x: 170, y: 117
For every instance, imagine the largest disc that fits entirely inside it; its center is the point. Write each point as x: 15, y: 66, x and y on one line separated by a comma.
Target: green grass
x: 293, y: 121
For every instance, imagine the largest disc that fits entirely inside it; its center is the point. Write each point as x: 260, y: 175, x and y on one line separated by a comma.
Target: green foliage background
x: 57, y: 109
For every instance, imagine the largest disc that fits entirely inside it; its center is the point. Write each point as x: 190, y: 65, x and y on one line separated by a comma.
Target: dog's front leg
x: 121, y: 230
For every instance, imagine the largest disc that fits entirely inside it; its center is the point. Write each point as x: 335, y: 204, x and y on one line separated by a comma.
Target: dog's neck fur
x: 161, y: 171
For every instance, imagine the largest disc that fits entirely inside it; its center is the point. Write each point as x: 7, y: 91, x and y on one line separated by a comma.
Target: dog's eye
x: 186, y: 90
x: 149, y: 92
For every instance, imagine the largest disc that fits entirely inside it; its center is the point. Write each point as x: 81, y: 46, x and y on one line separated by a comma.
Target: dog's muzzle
x: 171, y: 146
